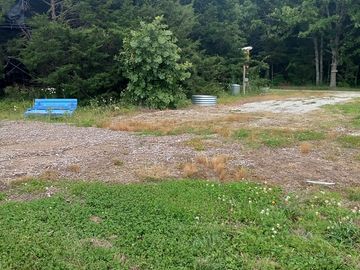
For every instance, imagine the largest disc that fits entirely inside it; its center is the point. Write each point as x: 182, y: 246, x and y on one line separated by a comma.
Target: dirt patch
x: 296, y: 105
x: 33, y: 149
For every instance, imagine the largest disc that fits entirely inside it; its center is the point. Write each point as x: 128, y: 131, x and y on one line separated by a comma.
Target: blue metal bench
x: 53, y: 107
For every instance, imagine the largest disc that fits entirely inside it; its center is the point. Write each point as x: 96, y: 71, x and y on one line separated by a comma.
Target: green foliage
x: 75, y: 51
x: 5, y: 7
x: 176, y: 225
x: 309, y: 135
x: 151, y: 63
x: 77, y: 62
x: 276, y: 137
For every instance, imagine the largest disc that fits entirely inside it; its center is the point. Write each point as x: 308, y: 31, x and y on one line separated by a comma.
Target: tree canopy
x: 74, y: 45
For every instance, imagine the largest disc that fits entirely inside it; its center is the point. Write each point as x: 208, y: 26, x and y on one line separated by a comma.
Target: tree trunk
x: 334, y: 61
x: 321, y: 60
x: 53, y: 9
x: 333, y: 68
x: 317, y: 60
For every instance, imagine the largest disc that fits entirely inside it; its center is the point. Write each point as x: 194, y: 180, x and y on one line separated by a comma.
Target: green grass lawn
x: 177, y: 225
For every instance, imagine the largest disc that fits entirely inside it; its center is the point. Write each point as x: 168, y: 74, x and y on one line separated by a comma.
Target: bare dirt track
x: 33, y: 149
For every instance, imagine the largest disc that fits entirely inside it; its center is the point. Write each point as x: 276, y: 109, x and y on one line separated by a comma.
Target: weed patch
x: 178, y: 224
x: 118, y: 162
x: 3, y: 196
x: 350, y: 141
x: 197, y: 144
x: 276, y: 137
x: 351, y: 109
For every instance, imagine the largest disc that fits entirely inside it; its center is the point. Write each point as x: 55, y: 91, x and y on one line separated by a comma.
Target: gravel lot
x: 32, y: 149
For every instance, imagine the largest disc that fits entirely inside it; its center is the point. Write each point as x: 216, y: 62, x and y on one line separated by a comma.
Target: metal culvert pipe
x: 204, y: 100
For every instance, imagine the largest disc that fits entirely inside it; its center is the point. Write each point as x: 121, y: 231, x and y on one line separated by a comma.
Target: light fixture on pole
x: 247, y: 54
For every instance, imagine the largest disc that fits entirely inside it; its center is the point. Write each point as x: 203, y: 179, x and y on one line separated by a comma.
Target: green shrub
x: 151, y: 63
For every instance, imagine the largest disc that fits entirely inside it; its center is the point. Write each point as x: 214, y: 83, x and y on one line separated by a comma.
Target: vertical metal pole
x: 244, y: 80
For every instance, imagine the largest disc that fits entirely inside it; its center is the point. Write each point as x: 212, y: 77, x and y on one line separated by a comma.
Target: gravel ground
x: 32, y: 149
x: 296, y: 105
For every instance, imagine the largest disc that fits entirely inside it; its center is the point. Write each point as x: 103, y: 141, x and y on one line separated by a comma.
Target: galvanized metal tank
x: 204, y: 100
x: 235, y: 89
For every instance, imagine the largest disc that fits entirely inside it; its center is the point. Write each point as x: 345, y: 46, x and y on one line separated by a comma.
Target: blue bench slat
x: 53, y: 107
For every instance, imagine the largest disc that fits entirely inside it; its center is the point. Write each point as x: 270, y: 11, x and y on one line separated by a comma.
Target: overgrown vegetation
x: 73, y: 46
x: 173, y: 225
x: 151, y: 63
x: 97, y: 113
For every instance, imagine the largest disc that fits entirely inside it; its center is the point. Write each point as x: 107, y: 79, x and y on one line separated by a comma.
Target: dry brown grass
x: 96, y: 219
x: 190, y: 170
x: 100, y: 243
x: 216, y: 167
x: 118, y: 162
x: 305, y: 148
x: 241, y: 173
x: 155, y: 172
x: 202, y: 160
x: 220, y: 125
x: 74, y: 168
x: 50, y: 175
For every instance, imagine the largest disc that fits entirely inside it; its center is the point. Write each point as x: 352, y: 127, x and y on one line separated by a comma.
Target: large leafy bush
x: 151, y: 61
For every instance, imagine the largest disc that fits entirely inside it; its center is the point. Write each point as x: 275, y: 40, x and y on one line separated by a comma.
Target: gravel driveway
x: 32, y: 149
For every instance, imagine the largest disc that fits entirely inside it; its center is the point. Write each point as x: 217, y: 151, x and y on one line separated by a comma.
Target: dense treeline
x: 77, y: 46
